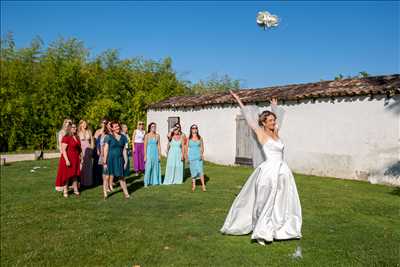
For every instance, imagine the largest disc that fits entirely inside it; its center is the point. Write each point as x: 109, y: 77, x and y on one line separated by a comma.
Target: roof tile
x: 386, y: 84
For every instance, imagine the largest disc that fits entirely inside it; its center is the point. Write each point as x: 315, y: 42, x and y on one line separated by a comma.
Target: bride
x: 268, y: 204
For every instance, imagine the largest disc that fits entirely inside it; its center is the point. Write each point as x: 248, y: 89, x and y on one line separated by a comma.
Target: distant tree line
x: 41, y: 85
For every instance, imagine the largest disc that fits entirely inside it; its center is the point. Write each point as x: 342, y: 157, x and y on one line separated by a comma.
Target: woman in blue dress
x: 152, y: 156
x: 195, y: 152
x: 115, y: 159
x: 175, y: 158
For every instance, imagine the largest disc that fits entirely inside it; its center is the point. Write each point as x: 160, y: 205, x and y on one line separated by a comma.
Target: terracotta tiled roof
x: 387, y: 84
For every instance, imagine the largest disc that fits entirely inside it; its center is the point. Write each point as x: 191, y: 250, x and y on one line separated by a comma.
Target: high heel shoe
x: 203, y: 189
x: 261, y: 242
x: 76, y: 193
x: 65, y: 194
x: 127, y: 196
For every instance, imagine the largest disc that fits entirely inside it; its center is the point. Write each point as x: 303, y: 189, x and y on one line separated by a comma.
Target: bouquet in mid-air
x: 267, y: 20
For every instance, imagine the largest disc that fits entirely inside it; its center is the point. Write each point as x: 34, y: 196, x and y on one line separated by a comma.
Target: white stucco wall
x: 346, y: 138
x: 216, y: 125
x: 354, y: 138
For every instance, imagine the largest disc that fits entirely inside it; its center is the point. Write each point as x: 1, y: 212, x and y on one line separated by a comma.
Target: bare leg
x: 65, y: 190
x: 111, y: 182
x: 75, y: 186
x: 203, y: 185
x: 105, y: 186
x: 193, y: 184
x: 122, y: 183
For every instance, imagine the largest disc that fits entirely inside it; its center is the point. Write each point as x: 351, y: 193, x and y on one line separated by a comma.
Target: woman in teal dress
x: 195, y: 151
x: 116, y: 156
x: 152, y: 156
x: 175, y: 158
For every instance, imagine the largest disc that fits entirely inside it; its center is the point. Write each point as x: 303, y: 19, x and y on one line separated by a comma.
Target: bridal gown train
x: 268, y: 204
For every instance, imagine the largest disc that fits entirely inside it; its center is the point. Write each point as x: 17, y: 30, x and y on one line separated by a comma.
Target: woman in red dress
x: 69, y: 165
x: 67, y: 123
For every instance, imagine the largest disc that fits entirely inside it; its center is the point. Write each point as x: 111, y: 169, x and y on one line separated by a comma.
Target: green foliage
x: 215, y: 83
x: 40, y: 86
x: 339, y: 77
x: 362, y: 74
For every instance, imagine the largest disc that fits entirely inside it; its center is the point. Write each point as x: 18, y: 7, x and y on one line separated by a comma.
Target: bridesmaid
x: 138, y: 148
x: 116, y: 157
x: 170, y: 134
x: 100, y: 152
x: 69, y: 164
x: 62, y: 132
x: 124, y: 131
x: 152, y: 156
x: 108, y: 183
x: 195, y: 152
x: 98, y: 161
x: 65, y: 127
x: 87, y: 144
x: 175, y: 158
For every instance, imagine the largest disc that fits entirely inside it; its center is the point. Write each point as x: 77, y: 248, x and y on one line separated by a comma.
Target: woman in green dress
x: 194, y: 152
x: 116, y: 156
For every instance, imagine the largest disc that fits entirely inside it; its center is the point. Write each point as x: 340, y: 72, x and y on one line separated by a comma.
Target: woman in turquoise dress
x: 175, y: 158
x: 116, y: 156
x: 195, y: 151
x: 152, y: 156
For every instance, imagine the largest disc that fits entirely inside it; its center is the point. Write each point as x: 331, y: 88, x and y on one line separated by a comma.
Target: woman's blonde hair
x: 65, y: 125
x: 67, y: 131
x: 86, y: 131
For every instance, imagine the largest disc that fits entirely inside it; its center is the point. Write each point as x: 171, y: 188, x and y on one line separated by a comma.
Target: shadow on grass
x: 84, y: 188
x: 186, y: 174
x: 395, y: 191
x: 206, y: 179
x: 99, y: 182
x: 135, y: 186
x: 132, y: 184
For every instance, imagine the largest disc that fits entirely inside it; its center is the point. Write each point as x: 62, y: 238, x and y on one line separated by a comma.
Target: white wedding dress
x: 268, y: 205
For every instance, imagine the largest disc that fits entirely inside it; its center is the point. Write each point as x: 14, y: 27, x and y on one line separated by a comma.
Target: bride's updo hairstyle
x: 263, y: 116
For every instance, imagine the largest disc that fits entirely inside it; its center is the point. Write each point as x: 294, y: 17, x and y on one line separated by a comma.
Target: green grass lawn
x: 345, y: 223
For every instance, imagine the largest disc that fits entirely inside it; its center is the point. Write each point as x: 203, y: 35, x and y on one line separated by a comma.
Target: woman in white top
x: 138, y: 148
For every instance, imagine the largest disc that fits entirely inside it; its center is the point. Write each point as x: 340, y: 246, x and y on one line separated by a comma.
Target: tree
x: 339, y: 77
x: 40, y: 86
x: 215, y: 83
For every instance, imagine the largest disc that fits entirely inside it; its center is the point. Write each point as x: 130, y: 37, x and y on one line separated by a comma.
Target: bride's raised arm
x: 251, y: 116
x: 278, y: 111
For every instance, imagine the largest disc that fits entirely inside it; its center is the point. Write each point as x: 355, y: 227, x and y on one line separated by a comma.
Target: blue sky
x: 315, y: 40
